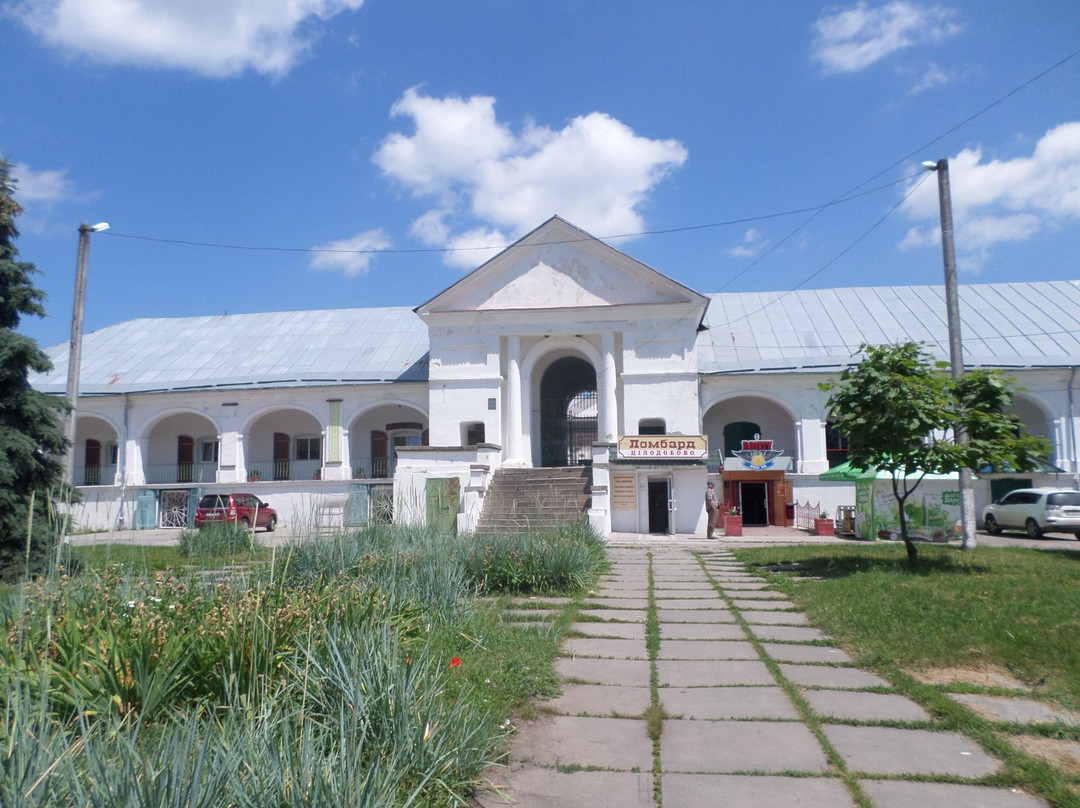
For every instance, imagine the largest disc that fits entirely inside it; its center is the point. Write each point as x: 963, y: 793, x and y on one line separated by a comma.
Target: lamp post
x: 956, y: 349
x: 75, y: 348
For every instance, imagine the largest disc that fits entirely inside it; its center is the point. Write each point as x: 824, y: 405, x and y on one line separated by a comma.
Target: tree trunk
x: 909, y: 545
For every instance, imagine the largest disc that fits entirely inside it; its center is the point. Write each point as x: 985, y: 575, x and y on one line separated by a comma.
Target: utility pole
x: 956, y: 348
x: 75, y: 347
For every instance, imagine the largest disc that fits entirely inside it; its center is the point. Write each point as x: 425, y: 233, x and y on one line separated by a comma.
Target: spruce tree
x: 31, y: 435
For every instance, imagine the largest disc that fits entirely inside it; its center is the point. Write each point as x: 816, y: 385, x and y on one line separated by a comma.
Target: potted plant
x: 823, y: 525
x: 733, y: 521
x: 253, y: 476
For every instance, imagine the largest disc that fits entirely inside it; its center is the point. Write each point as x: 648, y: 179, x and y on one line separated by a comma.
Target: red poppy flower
x: 455, y: 662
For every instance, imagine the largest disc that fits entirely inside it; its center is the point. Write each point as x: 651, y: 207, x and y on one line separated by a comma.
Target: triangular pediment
x: 560, y: 266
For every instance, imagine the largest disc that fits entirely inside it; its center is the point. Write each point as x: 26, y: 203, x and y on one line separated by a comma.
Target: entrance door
x: 755, y: 503
x: 185, y: 458
x: 659, y: 506
x: 568, y: 410
x: 282, y: 453
x: 93, y: 462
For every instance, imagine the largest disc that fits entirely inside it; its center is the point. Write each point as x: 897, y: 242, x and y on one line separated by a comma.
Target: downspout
x: 121, y: 458
x: 1072, y: 427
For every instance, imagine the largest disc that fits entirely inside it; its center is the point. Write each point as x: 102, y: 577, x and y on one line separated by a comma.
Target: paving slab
x: 623, y: 615
x: 605, y: 648
x: 603, y: 602
x: 716, y: 614
x: 764, y: 605
x: 886, y: 750
x: 632, y: 672
x: 739, y: 746
x: 677, y: 588
x: 707, y: 595
x: 546, y: 602
x: 700, y: 631
x: 601, y: 700
x: 535, y: 787
x: 854, y: 706
x: 622, y: 631
x: 744, y: 586
x: 788, y: 633
x: 831, y: 677
x: 710, y: 673
x: 707, y: 649
x: 708, y: 602
x: 761, y: 617
x: 1015, y: 710
x: 566, y: 740
x: 907, y: 794
x: 786, y: 652
x: 742, y: 791
x: 757, y: 594
x: 712, y: 703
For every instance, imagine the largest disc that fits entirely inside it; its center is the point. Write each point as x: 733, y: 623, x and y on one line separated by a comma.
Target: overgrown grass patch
x: 1008, y: 607
x: 358, y: 669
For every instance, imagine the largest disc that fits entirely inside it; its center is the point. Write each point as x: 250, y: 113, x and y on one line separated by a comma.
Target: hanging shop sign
x: 663, y: 447
x: 757, y: 455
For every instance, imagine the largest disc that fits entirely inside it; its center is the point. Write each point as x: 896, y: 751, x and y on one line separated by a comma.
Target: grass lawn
x: 1011, y: 610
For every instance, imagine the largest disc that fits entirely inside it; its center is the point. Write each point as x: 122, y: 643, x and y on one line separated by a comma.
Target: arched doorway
x: 567, y: 413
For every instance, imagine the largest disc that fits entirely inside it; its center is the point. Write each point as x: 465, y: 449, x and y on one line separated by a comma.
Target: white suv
x: 1036, y: 510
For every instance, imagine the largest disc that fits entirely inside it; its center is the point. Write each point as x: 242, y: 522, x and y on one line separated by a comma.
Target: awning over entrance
x: 845, y: 472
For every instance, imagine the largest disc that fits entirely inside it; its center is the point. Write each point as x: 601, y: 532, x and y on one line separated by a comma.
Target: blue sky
x: 374, y: 151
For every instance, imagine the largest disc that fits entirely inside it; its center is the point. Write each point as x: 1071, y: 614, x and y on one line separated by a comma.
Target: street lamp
x: 75, y: 348
x: 956, y: 349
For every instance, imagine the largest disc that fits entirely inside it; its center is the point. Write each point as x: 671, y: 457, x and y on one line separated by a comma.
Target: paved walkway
x: 758, y: 710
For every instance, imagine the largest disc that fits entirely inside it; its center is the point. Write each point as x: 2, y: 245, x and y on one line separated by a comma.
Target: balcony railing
x: 265, y: 470
x: 379, y: 468
x: 164, y: 473
x: 95, y: 475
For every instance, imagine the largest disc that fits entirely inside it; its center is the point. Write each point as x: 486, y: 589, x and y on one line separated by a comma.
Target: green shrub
x: 560, y: 560
x: 216, y: 540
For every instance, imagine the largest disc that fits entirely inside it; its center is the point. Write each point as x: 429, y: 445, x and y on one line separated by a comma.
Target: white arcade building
x: 559, y: 351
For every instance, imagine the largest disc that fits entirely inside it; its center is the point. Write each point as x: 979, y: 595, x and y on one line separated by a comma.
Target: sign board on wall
x: 624, y: 492
x: 663, y: 447
x: 757, y: 455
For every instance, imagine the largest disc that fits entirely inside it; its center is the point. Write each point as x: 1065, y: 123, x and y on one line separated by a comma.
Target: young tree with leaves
x: 899, y: 409
x: 31, y: 437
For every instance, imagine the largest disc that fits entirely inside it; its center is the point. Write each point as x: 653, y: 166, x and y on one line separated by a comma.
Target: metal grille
x: 174, y: 508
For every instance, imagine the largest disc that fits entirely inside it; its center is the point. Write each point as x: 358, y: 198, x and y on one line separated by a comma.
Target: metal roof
x: 1006, y: 325
x: 1021, y: 325
x: 238, y: 351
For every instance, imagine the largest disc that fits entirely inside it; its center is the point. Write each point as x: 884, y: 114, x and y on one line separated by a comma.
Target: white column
x: 513, y: 401
x: 609, y: 405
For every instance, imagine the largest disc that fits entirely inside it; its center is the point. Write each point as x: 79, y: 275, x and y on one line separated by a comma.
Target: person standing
x: 712, y: 507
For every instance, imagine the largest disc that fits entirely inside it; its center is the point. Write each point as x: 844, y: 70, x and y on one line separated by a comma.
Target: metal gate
x: 174, y: 508
x: 568, y: 430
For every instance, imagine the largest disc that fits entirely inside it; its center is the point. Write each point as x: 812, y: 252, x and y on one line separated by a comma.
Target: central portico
x: 549, y: 352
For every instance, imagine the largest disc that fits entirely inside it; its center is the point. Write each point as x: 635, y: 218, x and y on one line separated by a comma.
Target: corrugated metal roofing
x: 1002, y: 325
x: 236, y: 351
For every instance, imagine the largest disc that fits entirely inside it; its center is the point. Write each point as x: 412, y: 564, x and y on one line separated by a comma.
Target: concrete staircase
x: 535, y: 499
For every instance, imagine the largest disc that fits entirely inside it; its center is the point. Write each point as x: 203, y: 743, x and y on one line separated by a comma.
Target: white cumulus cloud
x: 350, y: 256
x: 47, y: 185
x: 752, y: 244
x: 595, y: 172
x: 1002, y: 200
x: 210, y: 37
x: 852, y: 39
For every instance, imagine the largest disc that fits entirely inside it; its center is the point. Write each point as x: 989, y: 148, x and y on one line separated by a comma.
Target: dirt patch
x: 986, y: 676
x: 1063, y: 754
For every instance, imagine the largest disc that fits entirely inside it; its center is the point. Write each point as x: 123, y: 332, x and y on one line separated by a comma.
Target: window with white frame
x: 308, y: 448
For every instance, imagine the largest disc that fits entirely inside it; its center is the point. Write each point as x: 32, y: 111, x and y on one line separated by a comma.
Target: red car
x: 246, y: 510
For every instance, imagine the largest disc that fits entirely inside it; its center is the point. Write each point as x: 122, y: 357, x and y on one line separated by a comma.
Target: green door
x: 356, y: 510
x: 146, y: 510
x: 443, y: 498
